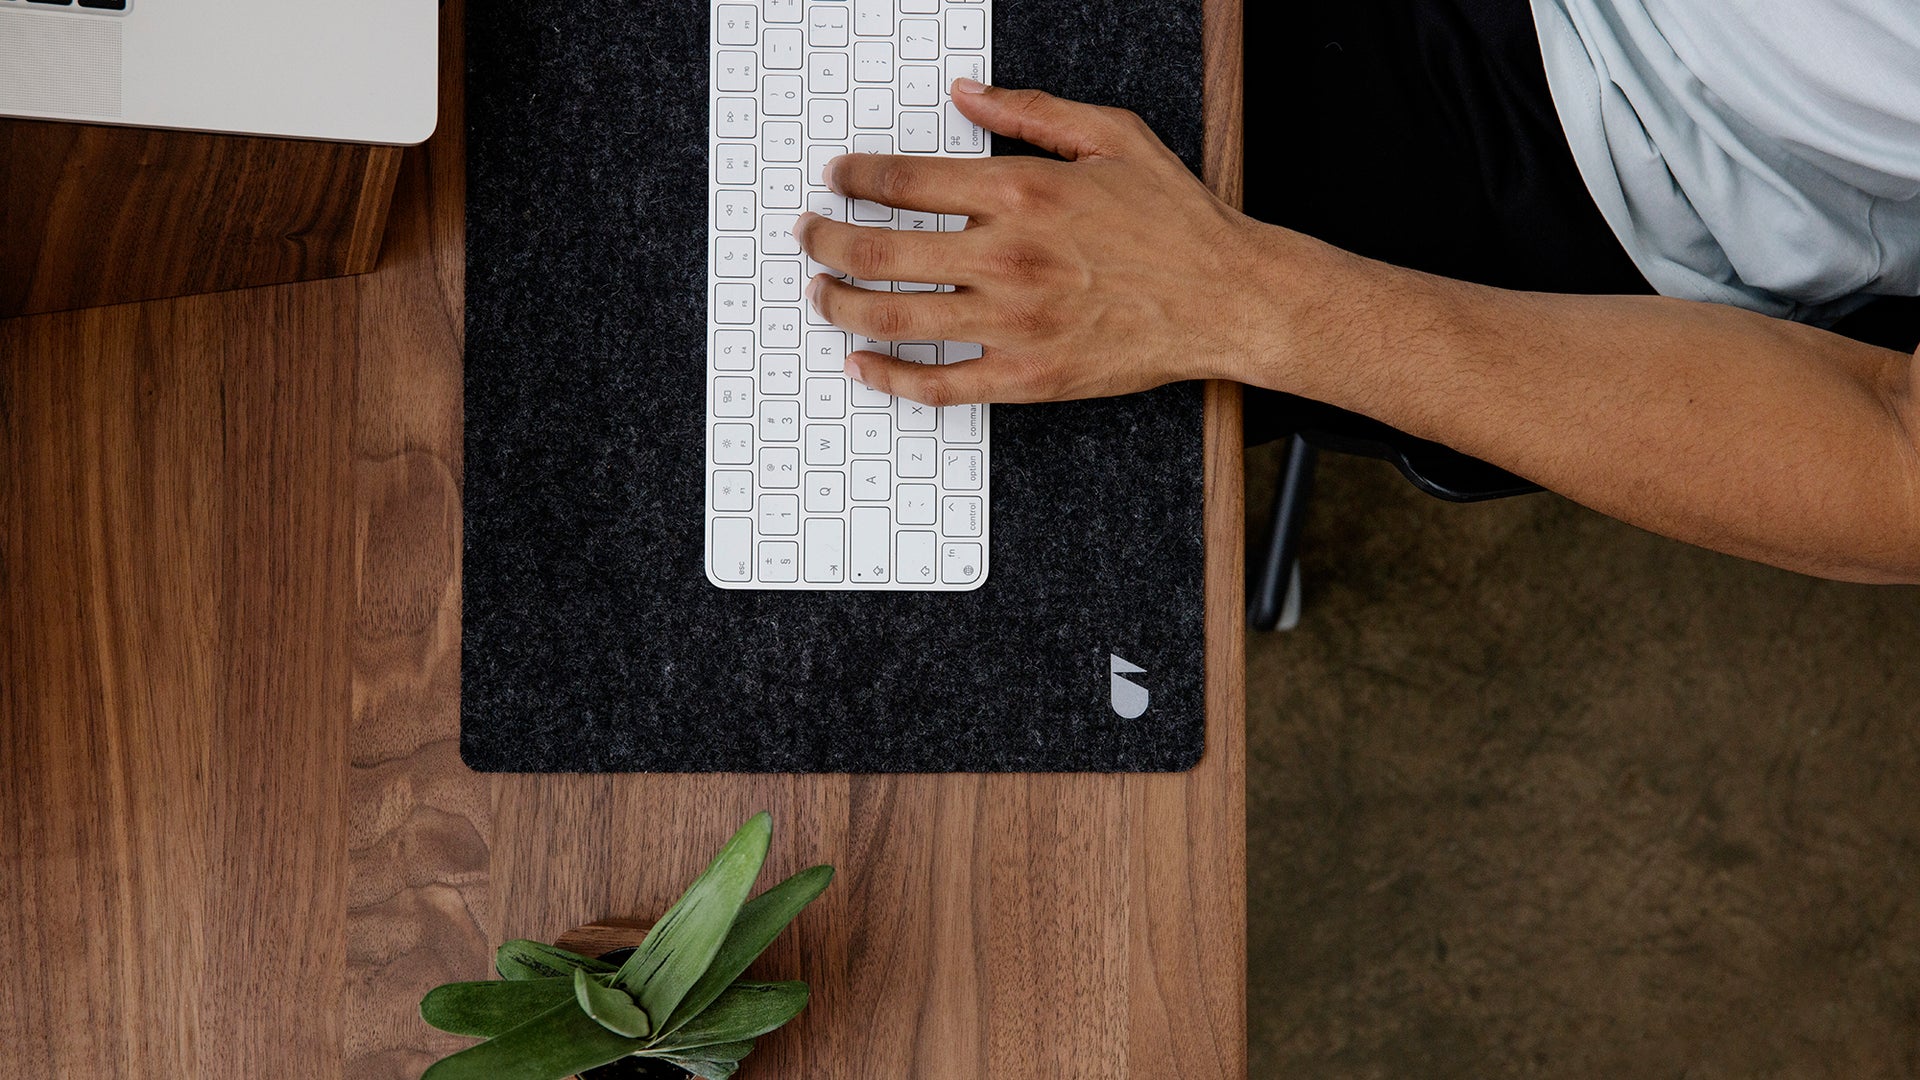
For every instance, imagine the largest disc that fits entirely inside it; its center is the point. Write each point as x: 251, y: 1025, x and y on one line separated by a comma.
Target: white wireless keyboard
x: 813, y: 481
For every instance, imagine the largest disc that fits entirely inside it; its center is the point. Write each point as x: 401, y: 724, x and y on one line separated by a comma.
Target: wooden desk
x: 236, y: 839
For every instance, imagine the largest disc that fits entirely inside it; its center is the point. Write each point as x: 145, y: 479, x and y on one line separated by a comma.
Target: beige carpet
x: 1533, y: 793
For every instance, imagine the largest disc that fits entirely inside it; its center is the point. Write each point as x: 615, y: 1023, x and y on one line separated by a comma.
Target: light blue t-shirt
x: 1764, y: 153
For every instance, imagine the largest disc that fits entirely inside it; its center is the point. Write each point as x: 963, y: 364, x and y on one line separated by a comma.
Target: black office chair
x: 1273, y: 583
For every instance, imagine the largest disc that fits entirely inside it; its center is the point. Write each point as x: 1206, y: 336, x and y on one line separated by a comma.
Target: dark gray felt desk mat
x: 592, y: 639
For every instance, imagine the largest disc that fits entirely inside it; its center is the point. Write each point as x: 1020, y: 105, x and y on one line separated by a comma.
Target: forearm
x: 1721, y: 427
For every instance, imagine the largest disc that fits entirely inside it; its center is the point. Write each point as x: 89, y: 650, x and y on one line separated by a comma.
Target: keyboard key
x: 916, y: 459
x: 873, y: 18
x: 964, y: 67
x: 737, y: 24
x: 873, y: 434
x: 732, y: 350
x: 779, y: 561
x: 827, y: 25
x: 962, y: 423
x: 914, y: 557
x: 960, y: 563
x: 961, y: 470
x: 779, y: 515
x: 872, y: 481
x: 733, y: 397
x: 780, y: 421
x: 919, y: 132
x: 733, y: 444
x: 737, y: 71
x: 781, y: 141
x: 873, y: 108
x: 963, y: 135
x: 780, y: 374
x: 826, y: 399
x: 919, y: 39
x: 825, y: 544
x: 873, y: 62
x: 826, y: 350
x: 827, y: 118
x: 780, y: 328
x: 782, y: 189
x: 817, y: 158
x: 732, y: 554
x: 733, y: 257
x: 781, y: 95
x: 733, y: 304
x: 733, y: 164
x: 784, y: 50
x: 827, y: 205
x: 871, y: 537
x: 827, y: 72
x: 918, y: 352
x: 866, y: 397
x: 735, y: 118
x: 919, y: 7
x: 780, y: 467
x: 733, y: 210
x: 826, y: 444
x: 733, y: 490
x: 781, y: 281
x: 917, y: 417
x: 782, y: 11
x: 966, y: 28
x: 826, y: 492
x: 776, y: 235
x: 920, y: 85
x: 914, y: 504
x: 960, y: 515
x: 872, y: 143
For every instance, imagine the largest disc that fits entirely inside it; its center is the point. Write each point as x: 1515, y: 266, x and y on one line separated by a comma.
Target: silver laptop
x: 345, y: 70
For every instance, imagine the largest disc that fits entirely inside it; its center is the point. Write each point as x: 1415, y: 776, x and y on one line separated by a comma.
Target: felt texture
x: 592, y: 639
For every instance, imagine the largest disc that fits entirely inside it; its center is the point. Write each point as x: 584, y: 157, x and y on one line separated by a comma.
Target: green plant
x: 679, y: 997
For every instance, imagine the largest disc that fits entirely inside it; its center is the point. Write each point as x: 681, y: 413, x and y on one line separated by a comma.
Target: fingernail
x: 853, y: 371
x: 812, y: 291
x: 827, y: 172
x: 964, y: 85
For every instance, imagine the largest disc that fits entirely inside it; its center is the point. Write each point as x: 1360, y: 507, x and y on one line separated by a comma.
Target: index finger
x: 937, y: 185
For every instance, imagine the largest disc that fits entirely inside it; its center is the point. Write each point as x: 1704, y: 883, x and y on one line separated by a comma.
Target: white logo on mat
x: 1129, y: 698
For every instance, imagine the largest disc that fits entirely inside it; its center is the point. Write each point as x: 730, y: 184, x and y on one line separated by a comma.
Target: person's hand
x: 1110, y: 272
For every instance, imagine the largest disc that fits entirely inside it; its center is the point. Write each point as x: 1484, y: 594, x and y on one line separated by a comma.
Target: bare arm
x: 1116, y: 271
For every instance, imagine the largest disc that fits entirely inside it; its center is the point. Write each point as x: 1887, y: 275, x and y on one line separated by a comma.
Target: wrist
x: 1298, y: 292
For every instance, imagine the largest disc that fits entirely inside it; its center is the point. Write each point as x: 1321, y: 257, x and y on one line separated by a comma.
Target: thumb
x: 1071, y: 129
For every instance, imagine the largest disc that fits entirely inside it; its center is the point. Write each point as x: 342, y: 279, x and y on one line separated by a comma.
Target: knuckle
x: 1025, y: 318
x: 1021, y: 262
x: 936, y: 392
x: 888, y: 321
x: 891, y: 181
x: 1037, y: 380
x: 867, y: 254
x: 1029, y: 189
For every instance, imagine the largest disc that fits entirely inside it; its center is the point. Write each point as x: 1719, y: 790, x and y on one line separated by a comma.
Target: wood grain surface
x: 237, y: 836
x: 107, y: 215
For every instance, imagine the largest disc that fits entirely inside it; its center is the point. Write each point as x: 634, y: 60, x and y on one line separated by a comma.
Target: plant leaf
x: 489, y: 1008
x: 743, y: 1011
x: 706, y: 1070
x: 555, y: 1044
x: 537, y: 960
x: 680, y: 947
x: 761, y: 920
x: 614, y: 1010
x: 733, y: 1051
